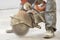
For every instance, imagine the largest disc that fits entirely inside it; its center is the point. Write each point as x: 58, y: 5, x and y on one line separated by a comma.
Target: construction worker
x: 49, y: 16
x: 39, y: 6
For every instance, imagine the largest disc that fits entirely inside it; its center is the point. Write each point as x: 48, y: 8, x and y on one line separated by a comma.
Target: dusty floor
x: 33, y: 34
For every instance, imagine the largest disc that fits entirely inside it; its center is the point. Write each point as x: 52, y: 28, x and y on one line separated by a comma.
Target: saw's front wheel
x: 20, y: 29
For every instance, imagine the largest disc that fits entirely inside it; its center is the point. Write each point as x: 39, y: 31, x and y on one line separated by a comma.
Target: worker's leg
x: 50, y: 18
x: 50, y: 24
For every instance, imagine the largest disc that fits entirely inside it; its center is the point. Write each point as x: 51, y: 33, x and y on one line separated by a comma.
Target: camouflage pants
x: 50, y: 20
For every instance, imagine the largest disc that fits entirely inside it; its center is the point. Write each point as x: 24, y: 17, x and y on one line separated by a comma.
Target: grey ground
x: 33, y: 34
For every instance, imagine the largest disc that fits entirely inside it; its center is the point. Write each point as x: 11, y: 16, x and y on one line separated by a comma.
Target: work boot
x: 49, y: 34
